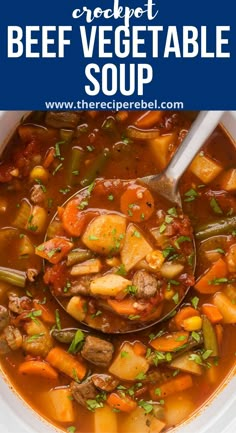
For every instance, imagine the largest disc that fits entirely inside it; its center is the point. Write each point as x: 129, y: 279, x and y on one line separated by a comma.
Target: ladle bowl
x: 165, y: 189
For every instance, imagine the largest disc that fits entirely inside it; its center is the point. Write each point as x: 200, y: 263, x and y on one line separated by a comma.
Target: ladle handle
x: 201, y: 129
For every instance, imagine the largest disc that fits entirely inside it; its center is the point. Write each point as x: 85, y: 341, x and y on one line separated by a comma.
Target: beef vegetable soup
x: 122, y: 280
x: 115, y: 256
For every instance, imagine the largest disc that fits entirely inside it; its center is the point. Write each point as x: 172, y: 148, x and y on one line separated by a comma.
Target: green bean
x: 64, y: 335
x: 76, y: 159
x: 209, y: 337
x: 78, y: 256
x: 223, y: 226
x: 95, y: 168
x: 66, y: 135
x: 13, y: 276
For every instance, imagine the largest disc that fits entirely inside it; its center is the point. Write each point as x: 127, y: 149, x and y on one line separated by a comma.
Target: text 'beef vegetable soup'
x: 76, y: 225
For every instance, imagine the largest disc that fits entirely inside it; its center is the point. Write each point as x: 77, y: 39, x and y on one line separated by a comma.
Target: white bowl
x: 218, y: 415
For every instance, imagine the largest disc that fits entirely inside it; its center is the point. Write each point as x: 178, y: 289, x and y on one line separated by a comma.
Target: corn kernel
x: 155, y: 259
x: 169, y: 294
x: 193, y: 323
x: 39, y: 173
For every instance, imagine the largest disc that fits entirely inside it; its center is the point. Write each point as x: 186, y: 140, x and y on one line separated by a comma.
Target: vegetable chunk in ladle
x: 122, y: 256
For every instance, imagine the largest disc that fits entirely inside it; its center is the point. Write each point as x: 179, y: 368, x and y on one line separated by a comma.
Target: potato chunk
x: 135, y: 247
x: 105, y: 420
x: 105, y: 234
x: 128, y: 367
x: 109, y: 285
x: 160, y: 148
x: 59, y: 404
x: 228, y: 180
x: 139, y: 422
x: 205, y: 168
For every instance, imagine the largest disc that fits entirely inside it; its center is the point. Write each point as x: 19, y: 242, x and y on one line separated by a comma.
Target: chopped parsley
x: 162, y: 228
x: 71, y: 429
x: 131, y: 290
x: 33, y: 314
x: 43, y: 187
x: 220, y: 250
x: 134, y: 317
x: 34, y: 337
x: 98, y: 313
x: 58, y: 319
x: 77, y: 342
x: 180, y: 240
x: 93, y: 404
x: 172, y: 211
x: 93, y: 238
x: 176, y: 298
x: 121, y: 270
x: 83, y: 204
x: 168, y: 219
x: 124, y: 354
x: 147, y: 406
x: 141, y: 376
x: 58, y: 150
x: 53, y: 251
x: 215, y: 206
x: 167, y: 251
x: 136, y: 234
x: 91, y: 186
x: 64, y: 191
x: 218, y: 281
x: 190, y: 195
x: 110, y: 197
x: 58, y: 167
x: 90, y: 148
x: 195, y: 301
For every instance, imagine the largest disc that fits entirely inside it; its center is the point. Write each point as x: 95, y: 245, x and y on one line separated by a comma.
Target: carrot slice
x: 49, y: 158
x: 74, y: 220
x: 46, y: 315
x: 170, y: 342
x: 38, y: 368
x: 139, y: 348
x: 54, y: 249
x: 122, y: 403
x: 66, y: 363
x: 212, y: 312
x: 124, y: 307
x: 219, y: 333
x: 137, y: 203
x: 183, y: 314
x: 149, y: 119
x: 179, y: 383
x: 211, y: 282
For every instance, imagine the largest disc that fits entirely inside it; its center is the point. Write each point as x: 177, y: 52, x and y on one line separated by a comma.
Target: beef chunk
x: 63, y: 119
x: 105, y: 382
x: 83, y: 391
x: 146, y: 284
x: 97, y: 351
x: 37, y: 195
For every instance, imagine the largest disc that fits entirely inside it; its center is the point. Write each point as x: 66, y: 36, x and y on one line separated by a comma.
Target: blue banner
x: 117, y: 54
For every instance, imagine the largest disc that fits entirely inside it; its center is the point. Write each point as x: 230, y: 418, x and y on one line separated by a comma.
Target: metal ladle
x: 166, y: 184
